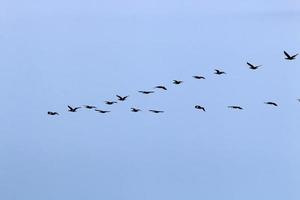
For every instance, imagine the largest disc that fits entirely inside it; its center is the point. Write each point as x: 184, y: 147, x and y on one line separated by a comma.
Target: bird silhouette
x: 199, y: 77
x: 135, y: 110
x: 219, y: 72
x: 110, y: 102
x: 156, y: 111
x: 298, y: 100
x: 271, y: 103
x: 89, y: 107
x: 52, y: 113
x: 251, y: 66
x: 146, y: 92
x: 236, y: 107
x: 120, y: 98
x: 289, y: 57
x: 102, y: 111
x: 73, y: 109
x: 200, y: 107
x: 161, y: 87
x: 177, y: 82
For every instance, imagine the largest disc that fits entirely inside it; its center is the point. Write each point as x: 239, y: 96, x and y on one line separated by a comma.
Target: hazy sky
x: 58, y: 53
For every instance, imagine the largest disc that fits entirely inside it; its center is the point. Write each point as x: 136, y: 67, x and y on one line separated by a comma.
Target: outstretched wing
x: 287, y: 55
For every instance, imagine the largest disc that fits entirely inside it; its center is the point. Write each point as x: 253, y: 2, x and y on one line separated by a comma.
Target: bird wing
x: 70, y: 107
x: 250, y: 64
x: 287, y: 55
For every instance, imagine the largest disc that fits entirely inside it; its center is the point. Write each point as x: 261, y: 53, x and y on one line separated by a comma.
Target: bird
x: 52, y: 113
x: 253, y: 66
x: 102, y: 111
x: 135, y: 110
x: 120, y: 98
x: 200, y: 107
x: 289, y: 57
x: 219, y: 72
x: 271, y: 103
x: 177, y: 82
x: 73, y: 109
x: 298, y: 100
x: 110, y: 102
x: 89, y: 107
x: 161, y: 87
x: 199, y: 77
x: 146, y: 92
x: 236, y: 107
x: 156, y: 111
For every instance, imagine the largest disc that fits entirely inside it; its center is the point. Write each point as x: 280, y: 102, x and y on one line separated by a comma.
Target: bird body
x: 199, y: 77
x: 161, y: 87
x: 271, y: 103
x: 251, y: 66
x: 177, y: 82
x: 89, y: 107
x: 135, y: 110
x: 236, y: 107
x: 289, y: 57
x: 120, y: 98
x: 102, y: 111
x: 52, y: 113
x: 146, y: 92
x: 110, y: 102
x: 156, y: 111
x: 73, y: 109
x: 200, y: 108
x: 219, y: 72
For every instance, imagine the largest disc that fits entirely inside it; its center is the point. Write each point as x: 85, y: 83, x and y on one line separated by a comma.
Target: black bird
x: 73, y: 109
x: 102, y: 111
x: 120, y: 98
x: 135, y: 110
x: 110, y: 102
x: 200, y: 107
x: 289, y: 57
x: 89, y: 107
x: 146, y: 92
x: 219, y: 72
x: 271, y: 103
x: 253, y: 66
x: 156, y: 111
x: 199, y: 77
x: 161, y: 87
x: 236, y: 107
x: 52, y: 113
x: 177, y: 82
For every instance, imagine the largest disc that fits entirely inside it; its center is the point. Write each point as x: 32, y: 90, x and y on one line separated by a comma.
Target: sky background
x: 58, y: 53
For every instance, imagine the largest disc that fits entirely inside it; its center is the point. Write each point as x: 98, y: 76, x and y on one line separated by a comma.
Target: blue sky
x: 59, y: 53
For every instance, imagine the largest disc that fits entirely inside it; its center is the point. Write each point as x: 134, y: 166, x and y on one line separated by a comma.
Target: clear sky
x: 58, y: 53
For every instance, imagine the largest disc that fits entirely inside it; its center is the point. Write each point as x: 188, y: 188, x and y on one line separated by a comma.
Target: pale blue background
x: 54, y: 53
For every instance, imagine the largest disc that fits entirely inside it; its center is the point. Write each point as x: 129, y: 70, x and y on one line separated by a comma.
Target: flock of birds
x: 176, y: 82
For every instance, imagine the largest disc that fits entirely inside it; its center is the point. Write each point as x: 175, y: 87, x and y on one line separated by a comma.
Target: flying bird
x: 236, y: 107
x: 251, y: 66
x: 146, y: 92
x: 219, y: 72
x: 289, y: 57
x: 200, y: 107
x: 271, y: 103
x: 52, y: 113
x: 156, y: 111
x: 199, y: 77
x: 135, y: 110
x: 110, y: 102
x: 161, y: 87
x: 102, y: 111
x: 120, y: 98
x: 73, y: 109
x: 177, y: 82
x: 89, y: 107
